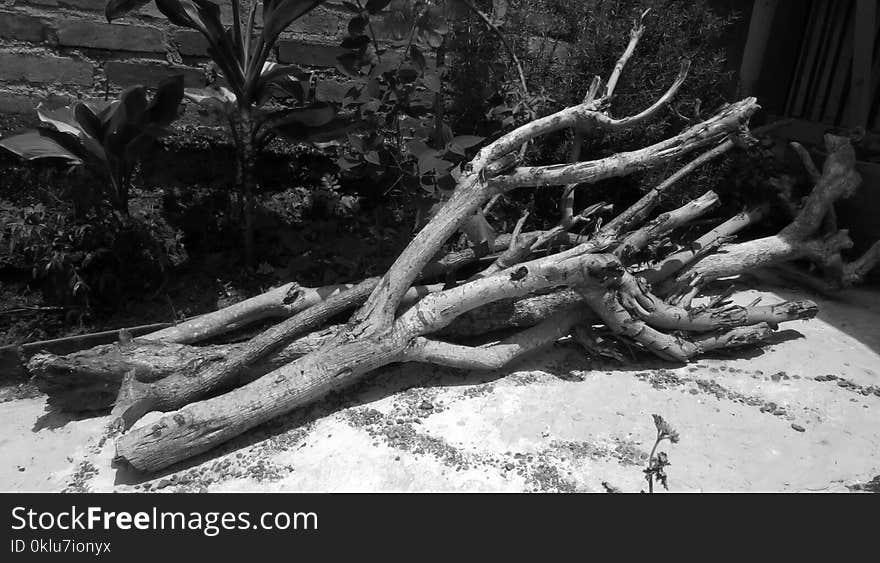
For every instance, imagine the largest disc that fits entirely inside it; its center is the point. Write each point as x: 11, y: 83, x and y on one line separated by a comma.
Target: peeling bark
x: 798, y: 240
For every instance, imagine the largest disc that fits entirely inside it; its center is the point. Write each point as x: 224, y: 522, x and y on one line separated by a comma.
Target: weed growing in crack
x: 657, y: 464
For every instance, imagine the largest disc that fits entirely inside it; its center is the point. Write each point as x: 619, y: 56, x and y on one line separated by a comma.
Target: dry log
x: 855, y: 271
x: 374, y: 337
x: 138, y: 397
x: 838, y: 179
x: 667, y: 267
x: 280, y: 302
x: 89, y: 380
x: 664, y: 223
x: 342, y: 361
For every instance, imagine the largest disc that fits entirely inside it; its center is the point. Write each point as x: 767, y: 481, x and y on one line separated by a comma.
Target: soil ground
x: 801, y: 414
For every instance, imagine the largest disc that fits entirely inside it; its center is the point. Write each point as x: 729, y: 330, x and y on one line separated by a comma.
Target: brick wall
x: 61, y: 50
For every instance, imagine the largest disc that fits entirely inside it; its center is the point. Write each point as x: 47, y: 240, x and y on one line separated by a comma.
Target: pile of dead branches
x: 535, y: 287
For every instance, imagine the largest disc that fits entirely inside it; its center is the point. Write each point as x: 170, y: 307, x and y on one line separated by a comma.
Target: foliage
x: 263, y: 98
x: 490, y: 96
x: 398, y: 96
x: 469, y: 84
x: 257, y: 88
x: 84, y: 262
x: 656, y: 469
x: 107, y: 137
x: 565, y: 44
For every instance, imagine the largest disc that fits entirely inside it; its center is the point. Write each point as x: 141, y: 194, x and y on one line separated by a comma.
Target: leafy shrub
x: 87, y: 262
x: 398, y: 95
x: 109, y: 138
x: 564, y: 44
x: 263, y: 99
x: 561, y: 46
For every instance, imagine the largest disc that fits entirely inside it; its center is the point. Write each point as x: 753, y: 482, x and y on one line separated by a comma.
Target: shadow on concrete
x: 53, y: 419
x: 564, y: 360
x: 854, y: 311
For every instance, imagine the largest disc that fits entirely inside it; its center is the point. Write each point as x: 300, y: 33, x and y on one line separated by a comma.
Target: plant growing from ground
x: 658, y: 461
x: 109, y: 138
x: 86, y: 262
x: 398, y: 78
x: 261, y: 98
x: 401, y: 91
x: 398, y: 59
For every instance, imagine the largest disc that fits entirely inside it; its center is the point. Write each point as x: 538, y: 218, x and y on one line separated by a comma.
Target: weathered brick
x: 113, y: 37
x: 320, y: 22
x: 191, y: 43
x: 308, y: 54
x: 14, y: 102
x: 22, y: 27
x: 31, y: 68
x: 124, y: 73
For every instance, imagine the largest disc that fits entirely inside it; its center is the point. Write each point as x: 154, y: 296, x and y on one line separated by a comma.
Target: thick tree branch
x: 667, y: 267
x: 494, y: 356
x: 277, y: 303
x: 621, y: 164
x: 582, y: 116
x: 634, y: 35
x: 665, y: 223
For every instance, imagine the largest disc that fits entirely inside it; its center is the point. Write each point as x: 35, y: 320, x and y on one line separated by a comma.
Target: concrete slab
x: 765, y: 420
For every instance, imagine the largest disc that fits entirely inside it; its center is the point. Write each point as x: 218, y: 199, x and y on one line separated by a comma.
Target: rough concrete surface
x: 802, y: 414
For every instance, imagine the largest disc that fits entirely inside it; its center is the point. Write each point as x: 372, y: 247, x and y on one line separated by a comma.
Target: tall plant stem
x: 246, y: 180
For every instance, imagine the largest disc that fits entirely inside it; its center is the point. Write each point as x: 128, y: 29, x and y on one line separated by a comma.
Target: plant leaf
x: 278, y: 14
x: 88, y: 121
x: 357, y: 25
x: 373, y: 158
x: 180, y: 13
x: 127, y: 121
x: 356, y: 43
x: 375, y: 6
x: 204, y: 17
x: 103, y: 109
x: 163, y: 107
x: 407, y: 74
x: 62, y: 119
x: 273, y: 70
x: 349, y: 64
x: 137, y: 146
x: 38, y: 143
x: 282, y: 77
